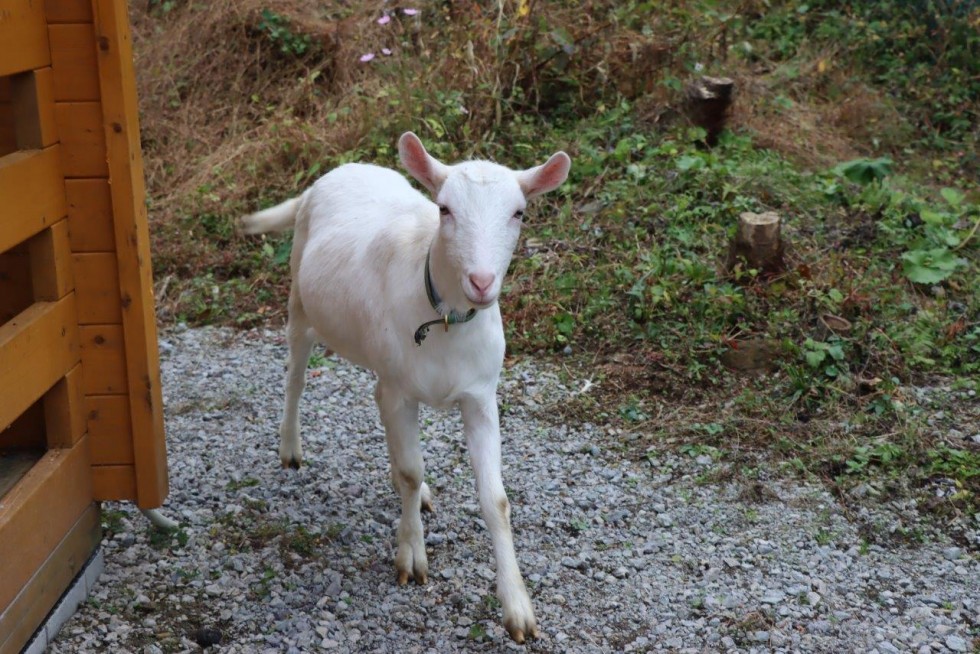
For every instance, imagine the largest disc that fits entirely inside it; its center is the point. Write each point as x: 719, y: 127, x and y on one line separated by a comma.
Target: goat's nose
x: 482, y: 281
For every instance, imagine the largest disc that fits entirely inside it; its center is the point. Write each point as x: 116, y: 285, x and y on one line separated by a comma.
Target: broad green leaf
x: 687, y: 162
x: 932, y: 217
x: 815, y: 358
x: 953, y: 196
x: 930, y: 266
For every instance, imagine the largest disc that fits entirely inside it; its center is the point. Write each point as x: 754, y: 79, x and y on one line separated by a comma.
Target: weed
x: 112, y: 521
x: 477, y: 632
x: 823, y: 536
x: 245, y: 482
x: 317, y: 360
x: 279, y: 32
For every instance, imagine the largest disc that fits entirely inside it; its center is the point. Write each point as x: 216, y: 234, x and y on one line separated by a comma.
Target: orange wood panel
x: 103, y: 359
x: 33, y: 194
x: 37, y: 513
x: 76, y: 75
x: 64, y: 411
x: 113, y: 483
x: 37, y: 348
x: 110, y: 429
x: 16, y: 293
x: 51, y: 265
x: 32, y: 604
x: 90, y: 215
x: 117, y: 82
x: 24, y: 36
x: 97, y: 287
x: 32, y: 99
x: 68, y: 11
x: 83, y: 151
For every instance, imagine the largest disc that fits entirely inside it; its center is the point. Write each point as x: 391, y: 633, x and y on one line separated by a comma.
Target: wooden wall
x: 79, y: 374
x: 95, y: 107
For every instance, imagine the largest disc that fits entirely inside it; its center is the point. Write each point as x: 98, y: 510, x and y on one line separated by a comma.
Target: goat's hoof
x: 521, y: 628
x: 519, y: 637
x: 291, y: 463
x: 411, y: 563
x: 420, y: 578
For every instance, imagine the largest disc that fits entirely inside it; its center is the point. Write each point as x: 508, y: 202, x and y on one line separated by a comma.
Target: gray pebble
x: 295, y: 560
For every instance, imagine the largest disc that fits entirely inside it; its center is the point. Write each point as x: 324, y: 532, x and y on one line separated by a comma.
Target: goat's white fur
x: 359, y: 250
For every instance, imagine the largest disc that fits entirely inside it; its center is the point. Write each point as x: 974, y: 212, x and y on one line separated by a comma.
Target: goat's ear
x: 546, y: 177
x: 429, y: 171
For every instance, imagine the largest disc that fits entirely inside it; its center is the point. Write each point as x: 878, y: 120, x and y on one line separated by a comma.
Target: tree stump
x: 707, y: 104
x: 757, y: 244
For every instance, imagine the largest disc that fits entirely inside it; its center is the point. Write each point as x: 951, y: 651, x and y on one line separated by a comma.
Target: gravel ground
x: 621, y: 553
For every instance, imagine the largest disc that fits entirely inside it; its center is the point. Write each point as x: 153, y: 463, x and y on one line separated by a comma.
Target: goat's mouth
x: 480, y: 300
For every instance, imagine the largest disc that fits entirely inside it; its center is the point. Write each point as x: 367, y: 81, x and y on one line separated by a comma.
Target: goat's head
x: 481, y: 207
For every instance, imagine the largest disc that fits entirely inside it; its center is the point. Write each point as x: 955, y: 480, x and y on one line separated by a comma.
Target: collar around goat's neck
x: 451, y: 318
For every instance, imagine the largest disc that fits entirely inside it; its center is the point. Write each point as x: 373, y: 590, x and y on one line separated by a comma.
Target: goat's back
x: 363, y: 233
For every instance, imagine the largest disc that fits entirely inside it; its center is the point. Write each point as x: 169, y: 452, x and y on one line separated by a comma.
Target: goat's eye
x: 443, y: 210
x: 519, y: 215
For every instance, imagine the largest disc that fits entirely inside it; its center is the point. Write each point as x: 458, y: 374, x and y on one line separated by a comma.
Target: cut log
x: 707, y: 104
x: 830, y: 325
x: 757, y: 244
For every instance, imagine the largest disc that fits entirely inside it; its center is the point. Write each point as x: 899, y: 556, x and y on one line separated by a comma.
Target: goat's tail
x: 275, y: 219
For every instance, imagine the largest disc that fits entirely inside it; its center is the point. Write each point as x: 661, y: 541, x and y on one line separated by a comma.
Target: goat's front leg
x: 482, y: 428
x: 400, y: 416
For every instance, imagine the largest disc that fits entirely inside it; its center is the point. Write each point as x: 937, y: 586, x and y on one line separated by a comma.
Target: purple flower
x: 384, y: 20
x: 367, y: 57
x: 410, y: 12
x: 386, y: 51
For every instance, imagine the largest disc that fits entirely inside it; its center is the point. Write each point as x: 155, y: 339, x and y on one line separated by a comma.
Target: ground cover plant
x: 856, y: 122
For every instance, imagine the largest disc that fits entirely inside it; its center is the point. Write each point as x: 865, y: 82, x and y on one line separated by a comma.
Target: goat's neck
x: 445, y: 279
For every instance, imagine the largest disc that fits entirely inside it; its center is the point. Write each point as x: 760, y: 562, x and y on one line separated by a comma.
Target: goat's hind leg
x: 300, y: 340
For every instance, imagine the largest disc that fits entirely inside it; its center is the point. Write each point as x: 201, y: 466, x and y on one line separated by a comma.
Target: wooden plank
x: 37, y: 513
x: 64, y: 411
x: 82, y: 139
x: 24, y: 36
x: 51, y: 265
x: 97, y: 288
x: 103, y: 359
x: 90, y: 226
x: 31, y: 606
x: 32, y: 99
x: 16, y: 293
x: 117, y: 82
x: 110, y: 429
x: 68, y: 11
x: 37, y: 348
x: 13, y: 466
x: 33, y: 194
x: 76, y: 75
x: 113, y: 483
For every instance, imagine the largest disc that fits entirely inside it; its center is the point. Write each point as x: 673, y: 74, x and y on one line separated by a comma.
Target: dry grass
x: 232, y: 122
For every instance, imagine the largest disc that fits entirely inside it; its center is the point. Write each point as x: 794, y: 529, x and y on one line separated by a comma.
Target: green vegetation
x: 856, y: 122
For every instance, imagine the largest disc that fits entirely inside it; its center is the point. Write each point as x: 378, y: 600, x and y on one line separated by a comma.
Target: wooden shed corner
x: 81, y: 415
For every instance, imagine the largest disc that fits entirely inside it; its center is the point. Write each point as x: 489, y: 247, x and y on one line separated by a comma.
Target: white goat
x: 374, y: 265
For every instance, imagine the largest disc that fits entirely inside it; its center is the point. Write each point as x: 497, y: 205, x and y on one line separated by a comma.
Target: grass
x: 856, y: 122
